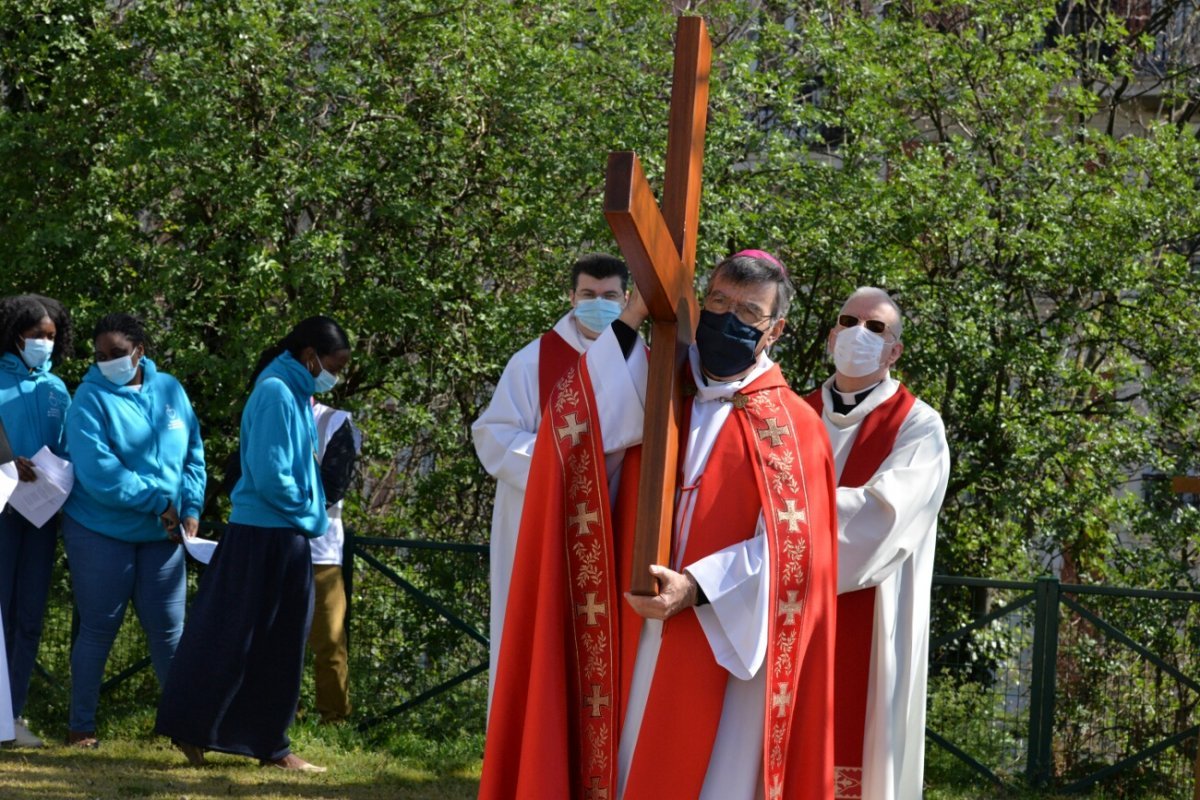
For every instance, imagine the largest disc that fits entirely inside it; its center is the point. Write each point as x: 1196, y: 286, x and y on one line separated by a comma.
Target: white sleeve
x: 505, y: 432
x: 619, y: 385
x: 735, y: 619
x: 881, y: 524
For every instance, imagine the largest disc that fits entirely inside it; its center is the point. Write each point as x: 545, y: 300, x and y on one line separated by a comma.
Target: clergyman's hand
x: 676, y: 592
x: 635, y: 311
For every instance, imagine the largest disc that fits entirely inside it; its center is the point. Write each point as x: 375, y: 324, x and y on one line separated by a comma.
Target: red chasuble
x: 856, y: 610
x: 570, y: 639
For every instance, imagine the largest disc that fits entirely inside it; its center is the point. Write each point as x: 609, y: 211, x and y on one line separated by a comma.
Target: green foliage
x: 426, y: 172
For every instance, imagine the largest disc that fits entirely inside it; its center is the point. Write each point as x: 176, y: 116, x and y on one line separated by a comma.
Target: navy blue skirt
x: 235, y: 679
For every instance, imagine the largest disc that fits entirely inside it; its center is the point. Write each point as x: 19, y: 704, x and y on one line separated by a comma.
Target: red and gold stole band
x: 856, y: 610
x: 591, y: 587
x: 770, y: 431
x: 555, y: 357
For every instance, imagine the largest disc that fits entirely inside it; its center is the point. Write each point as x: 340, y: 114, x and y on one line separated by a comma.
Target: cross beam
x: 660, y: 248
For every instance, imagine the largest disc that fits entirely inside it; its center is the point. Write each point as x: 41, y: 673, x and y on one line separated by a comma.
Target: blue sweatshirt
x: 33, y: 407
x: 133, y: 450
x: 280, y: 485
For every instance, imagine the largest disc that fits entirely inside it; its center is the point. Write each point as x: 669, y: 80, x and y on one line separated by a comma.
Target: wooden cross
x: 660, y: 247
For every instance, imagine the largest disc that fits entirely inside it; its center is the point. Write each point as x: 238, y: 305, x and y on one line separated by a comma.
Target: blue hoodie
x: 280, y: 485
x: 33, y: 407
x: 134, y: 450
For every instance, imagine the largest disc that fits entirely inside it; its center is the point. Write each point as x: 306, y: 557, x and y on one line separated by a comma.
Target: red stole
x: 856, y: 610
x: 570, y: 639
x: 555, y: 357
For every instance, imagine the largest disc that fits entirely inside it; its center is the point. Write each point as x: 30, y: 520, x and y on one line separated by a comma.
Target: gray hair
x: 879, y: 295
x: 746, y: 270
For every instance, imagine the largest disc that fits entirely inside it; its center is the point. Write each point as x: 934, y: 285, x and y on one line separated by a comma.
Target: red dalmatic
x: 570, y: 640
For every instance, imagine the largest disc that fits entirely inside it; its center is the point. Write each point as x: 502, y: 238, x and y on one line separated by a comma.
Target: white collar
x: 568, y: 328
x: 708, y: 390
x: 878, y: 396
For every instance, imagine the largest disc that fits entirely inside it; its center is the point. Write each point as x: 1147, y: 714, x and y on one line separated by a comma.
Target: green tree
x: 1021, y: 174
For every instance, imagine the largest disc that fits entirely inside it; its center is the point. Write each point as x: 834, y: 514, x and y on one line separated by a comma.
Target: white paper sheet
x: 199, y: 549
x: 38, y: 501
x: 8, y: 481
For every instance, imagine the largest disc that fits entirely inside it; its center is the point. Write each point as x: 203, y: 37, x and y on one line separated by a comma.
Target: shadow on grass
x: 141, y: 770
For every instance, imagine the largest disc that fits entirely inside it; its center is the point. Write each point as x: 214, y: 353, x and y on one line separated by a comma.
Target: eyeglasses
x: 873, y: 325
x: 748, y: 315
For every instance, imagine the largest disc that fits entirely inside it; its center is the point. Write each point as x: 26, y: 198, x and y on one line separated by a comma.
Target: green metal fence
x: 1063, y: 687
x: 1040, y: 684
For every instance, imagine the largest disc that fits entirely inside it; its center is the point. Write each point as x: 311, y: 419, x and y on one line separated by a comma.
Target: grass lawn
x: 142, y: 769
x: 133, y: 763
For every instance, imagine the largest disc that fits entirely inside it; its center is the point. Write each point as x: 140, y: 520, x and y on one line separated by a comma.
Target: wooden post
x: 660, y: 248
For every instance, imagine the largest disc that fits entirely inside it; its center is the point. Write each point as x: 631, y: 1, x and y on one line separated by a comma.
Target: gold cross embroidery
x: 593, y: 609
x: 583, y: 519
x: 781, y: 698
x: 790, y: 608
x: 793, y: 516
x: 573, y: 428
x: 596, y: 700
x: 774, y: 431
x: 595, y: 791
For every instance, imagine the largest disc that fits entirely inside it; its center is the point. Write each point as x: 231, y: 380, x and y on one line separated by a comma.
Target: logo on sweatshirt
x: 54, y: 406
x: 174, y: 423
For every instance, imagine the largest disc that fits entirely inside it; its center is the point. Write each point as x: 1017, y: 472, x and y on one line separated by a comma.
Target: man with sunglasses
x: 892, y: 465
x: 721, y: 685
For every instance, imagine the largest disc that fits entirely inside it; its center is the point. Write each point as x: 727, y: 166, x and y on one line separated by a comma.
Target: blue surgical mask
x: 727, y: 346
x: 597, y: 313
x: 36, y: 352
x: 118, y: 370
x: 325, y: 381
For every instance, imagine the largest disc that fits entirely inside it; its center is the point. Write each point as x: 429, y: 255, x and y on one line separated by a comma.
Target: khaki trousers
x: 327, y: 639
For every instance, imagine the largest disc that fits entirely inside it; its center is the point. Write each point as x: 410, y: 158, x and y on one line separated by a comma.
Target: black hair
x: 599, y: 266
x: 322, y: 334
x: 129, y: 326
x: 745, y: 270
x: 19, y: 313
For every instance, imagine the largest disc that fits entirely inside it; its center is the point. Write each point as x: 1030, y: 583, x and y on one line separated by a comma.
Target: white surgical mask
x: 118, y: 370
x: 325, y: 380
x: 857, y: 351
x: 36, y: 352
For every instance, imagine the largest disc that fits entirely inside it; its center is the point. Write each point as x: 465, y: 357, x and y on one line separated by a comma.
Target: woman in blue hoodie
x: 236, y: 682
x: 139, y: 479
x: 35, y: 333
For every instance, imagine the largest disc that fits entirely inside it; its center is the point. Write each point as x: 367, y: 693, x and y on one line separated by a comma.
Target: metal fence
x: 1038, y: 684
x: 1063, y: 687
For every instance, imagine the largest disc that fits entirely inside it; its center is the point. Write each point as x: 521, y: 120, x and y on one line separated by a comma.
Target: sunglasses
x: 873, y: 325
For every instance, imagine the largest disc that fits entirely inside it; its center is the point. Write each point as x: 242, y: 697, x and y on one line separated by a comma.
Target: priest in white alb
x: 720, y: 687
x: 892, y: 467
x: 505, y: 432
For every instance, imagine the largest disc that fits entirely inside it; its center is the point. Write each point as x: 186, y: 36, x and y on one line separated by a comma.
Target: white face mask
x: 37, y: 352
x: 857, y: 352
x: 119, y: 371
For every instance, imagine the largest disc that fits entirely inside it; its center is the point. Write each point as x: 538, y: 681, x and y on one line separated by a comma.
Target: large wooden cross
x: 660, y: 248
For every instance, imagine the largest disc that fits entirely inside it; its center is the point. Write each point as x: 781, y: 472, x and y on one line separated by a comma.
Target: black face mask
x: 727, y: 345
